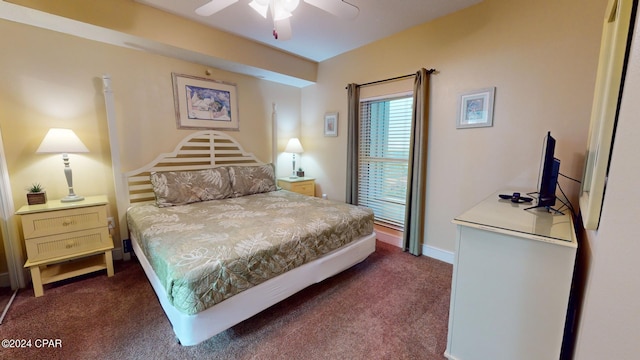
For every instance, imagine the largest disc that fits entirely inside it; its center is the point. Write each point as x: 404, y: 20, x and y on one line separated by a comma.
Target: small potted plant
x: 300, y: 172
x: 36, y: 194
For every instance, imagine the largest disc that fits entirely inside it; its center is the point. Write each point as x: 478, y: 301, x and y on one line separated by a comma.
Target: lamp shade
x: 61, y: 141
x: 293, y: 146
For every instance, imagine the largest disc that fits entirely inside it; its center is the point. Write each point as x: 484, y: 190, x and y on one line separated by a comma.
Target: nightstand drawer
x: 43, y: 248
x: 63, y: 221
x: 305, y: 188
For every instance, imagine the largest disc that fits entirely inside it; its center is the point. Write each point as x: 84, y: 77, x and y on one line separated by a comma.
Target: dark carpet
x: 393, y: 305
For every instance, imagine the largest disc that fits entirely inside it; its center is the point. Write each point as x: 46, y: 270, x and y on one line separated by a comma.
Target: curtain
x: 417, y: 173
x: 353, y: 125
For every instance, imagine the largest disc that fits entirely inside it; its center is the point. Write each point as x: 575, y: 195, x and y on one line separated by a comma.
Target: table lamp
x: 293, y: 147
x: 63, y: 141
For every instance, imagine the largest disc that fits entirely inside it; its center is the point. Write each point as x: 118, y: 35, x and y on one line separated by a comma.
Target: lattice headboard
x: 201, y: 150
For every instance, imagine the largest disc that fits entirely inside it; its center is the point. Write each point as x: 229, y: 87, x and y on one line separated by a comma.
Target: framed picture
x: 204, y: 103
x: 331, y: 124
x: 475, y: 109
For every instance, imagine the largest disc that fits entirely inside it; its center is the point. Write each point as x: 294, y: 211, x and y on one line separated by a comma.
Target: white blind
x: 385, y: 130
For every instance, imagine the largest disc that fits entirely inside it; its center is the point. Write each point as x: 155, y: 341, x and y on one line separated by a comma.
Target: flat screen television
x: 550, y: 168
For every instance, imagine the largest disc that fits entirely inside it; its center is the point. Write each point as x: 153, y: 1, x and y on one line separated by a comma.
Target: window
x: 385, y: 130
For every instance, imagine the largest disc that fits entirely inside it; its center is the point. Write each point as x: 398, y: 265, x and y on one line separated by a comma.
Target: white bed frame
x: 208, y: 149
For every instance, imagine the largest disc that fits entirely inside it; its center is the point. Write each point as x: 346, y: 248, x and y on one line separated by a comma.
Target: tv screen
x: 550, y: 171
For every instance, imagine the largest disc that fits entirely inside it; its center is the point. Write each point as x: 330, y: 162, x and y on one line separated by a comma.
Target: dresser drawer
x: 63, y: 221
x: 43, y: 248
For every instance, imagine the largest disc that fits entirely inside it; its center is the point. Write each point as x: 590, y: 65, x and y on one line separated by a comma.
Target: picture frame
x: 475, y: 108
x: 331, y: 124
x: 205, y: 103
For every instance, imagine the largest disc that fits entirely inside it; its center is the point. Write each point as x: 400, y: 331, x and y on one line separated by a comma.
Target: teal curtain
x: 353, y: 133
x: 417, y: 174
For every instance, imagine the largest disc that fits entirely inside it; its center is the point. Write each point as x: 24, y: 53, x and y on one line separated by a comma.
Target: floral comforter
x: 206, y: 252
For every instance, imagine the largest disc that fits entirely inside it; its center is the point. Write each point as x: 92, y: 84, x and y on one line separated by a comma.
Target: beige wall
x: 54, y: 80
x: 541, y: 56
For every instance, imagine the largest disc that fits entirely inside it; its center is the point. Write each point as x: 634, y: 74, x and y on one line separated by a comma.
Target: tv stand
x: 511, y: 282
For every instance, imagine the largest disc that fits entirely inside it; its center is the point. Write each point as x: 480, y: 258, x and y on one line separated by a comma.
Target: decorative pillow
x: 185, y: 187
x: 247, y: 180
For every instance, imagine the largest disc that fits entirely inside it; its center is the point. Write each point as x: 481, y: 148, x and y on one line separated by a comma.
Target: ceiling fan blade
x: 282, y: 29
x: 213, y: 7
x: 338, y: 8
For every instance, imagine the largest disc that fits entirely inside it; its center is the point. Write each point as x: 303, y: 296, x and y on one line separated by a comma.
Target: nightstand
x: 66, y: 239
x: 301, y: 185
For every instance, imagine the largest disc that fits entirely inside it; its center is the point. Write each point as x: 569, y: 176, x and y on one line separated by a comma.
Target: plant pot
x: 300, y: 173
x: 37, y: 198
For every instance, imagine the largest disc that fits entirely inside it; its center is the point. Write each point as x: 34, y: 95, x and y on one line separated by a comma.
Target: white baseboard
x: 117, y: 253
x: 389, y: 239
x: 438, y: 254
x: 430, y: 251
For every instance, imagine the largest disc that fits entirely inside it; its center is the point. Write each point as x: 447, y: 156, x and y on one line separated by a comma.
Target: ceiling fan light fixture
x: 259, y: 7
x: 279, y: 13
x: 290, y: 5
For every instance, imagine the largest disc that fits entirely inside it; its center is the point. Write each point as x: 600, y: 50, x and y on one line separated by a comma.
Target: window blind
x: 385, y: 130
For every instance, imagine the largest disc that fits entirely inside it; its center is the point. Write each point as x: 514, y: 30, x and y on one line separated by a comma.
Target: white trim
x: 114, y: 145
x: 274, y: 134
x: 438, y: 254
x: 390, y: 96
x: 389, y: 239
x: 117, y: 254
x: 429, y: 251
x: 10, y: 236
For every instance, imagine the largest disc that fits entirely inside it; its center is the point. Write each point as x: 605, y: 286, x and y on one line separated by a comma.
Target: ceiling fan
x: 280, y: 11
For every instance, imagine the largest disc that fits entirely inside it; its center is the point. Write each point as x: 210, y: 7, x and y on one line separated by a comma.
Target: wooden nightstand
x: 301, y: 185
x: 64, y: 240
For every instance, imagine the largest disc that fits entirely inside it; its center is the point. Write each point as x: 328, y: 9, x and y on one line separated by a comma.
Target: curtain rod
x: 430, y: 71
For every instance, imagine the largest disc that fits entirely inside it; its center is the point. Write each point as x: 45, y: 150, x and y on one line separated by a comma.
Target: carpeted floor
x: 391, y: 306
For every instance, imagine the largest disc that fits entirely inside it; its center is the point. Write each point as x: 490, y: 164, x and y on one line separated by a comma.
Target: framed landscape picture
x: 205, y: 104
x: 475, y: 109
x: 331, y: 124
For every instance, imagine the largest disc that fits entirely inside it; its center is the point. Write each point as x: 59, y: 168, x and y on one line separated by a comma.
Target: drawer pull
x: 67, y: 222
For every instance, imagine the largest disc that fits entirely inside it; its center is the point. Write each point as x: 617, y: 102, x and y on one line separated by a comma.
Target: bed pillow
x: 185, y: 187
x: 247, y: 180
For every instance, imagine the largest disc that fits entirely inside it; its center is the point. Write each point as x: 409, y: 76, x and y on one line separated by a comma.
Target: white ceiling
x: 318, y: 35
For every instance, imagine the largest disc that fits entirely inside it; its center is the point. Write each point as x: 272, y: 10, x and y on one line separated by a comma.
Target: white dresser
x: 511, y: 281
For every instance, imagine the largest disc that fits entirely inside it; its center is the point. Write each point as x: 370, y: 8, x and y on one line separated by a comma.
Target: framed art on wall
x: 331, y: 124
x: 205, y: 104
x: 475, y: 108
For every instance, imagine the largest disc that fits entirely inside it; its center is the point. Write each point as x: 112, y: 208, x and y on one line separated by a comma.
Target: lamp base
x: 72, y: 198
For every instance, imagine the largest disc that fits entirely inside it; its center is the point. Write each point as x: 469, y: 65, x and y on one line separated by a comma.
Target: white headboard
x: 200, y: 150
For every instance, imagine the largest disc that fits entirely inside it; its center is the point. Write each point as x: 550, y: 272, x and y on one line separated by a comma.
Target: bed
x: 219, y: 242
